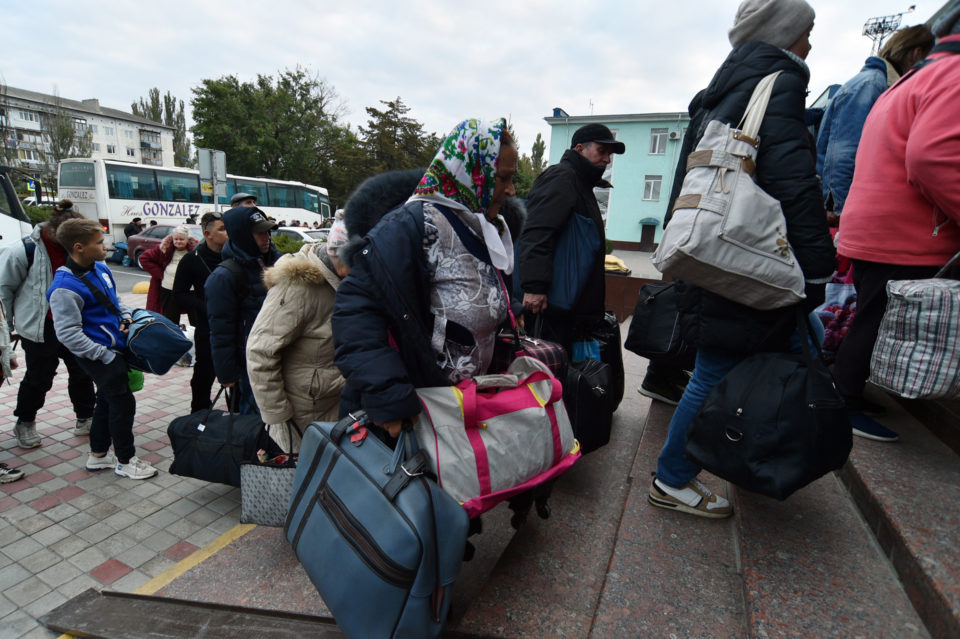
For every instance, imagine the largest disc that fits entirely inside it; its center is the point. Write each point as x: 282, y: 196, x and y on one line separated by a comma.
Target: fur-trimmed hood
x: 303, y: 268
x: 378, y: 195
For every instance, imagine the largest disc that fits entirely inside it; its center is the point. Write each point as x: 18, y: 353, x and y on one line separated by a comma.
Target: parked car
x: 305, y: 235
x: 151, y: 236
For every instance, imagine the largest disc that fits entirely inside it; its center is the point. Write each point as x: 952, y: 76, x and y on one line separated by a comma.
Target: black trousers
x: 168, y: 305
x: 42, y: 359
x: 203, y: 374
x: 115, y: 409
x: 852, y: 366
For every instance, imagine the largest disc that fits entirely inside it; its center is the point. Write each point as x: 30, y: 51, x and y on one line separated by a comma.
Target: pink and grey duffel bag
x: 493, y: 436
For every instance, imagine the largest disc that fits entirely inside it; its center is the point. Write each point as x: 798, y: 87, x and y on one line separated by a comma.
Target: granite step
x: 805, y: 567
x: 909, y: 495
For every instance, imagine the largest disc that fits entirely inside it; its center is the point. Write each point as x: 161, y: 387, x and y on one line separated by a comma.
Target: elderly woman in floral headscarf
x: 424, y: 298
x: 290, y: 348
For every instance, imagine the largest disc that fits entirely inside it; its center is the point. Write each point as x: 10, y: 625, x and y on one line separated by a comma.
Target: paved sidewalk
x: 64, y: 529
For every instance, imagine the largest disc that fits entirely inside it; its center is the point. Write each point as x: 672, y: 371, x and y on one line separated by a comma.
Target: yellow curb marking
x: 185, y: 564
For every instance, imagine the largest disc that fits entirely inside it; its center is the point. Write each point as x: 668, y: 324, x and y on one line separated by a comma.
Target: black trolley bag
x: 381, y: 542
x: 211, y: 444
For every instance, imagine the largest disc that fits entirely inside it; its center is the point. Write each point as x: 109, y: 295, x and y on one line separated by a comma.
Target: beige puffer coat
x: 290, y: 348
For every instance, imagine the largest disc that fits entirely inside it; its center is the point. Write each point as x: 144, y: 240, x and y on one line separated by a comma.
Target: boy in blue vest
x: 81, y: 298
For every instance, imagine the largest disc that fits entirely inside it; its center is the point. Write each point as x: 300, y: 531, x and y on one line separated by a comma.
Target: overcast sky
x: 447, y: 60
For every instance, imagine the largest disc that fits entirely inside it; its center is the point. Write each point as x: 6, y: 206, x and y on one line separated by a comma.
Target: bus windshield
x: 77, y: 175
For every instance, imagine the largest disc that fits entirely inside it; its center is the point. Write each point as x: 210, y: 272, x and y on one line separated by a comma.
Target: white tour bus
x: 116, y: 192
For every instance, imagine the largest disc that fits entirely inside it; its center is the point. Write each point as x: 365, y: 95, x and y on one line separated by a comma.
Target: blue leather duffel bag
x: 381, y: 542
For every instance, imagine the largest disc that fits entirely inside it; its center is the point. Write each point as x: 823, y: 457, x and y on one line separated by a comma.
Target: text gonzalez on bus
x: 116, y: 192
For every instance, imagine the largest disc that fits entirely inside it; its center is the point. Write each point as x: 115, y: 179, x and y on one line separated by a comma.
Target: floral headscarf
x: 463, y: 175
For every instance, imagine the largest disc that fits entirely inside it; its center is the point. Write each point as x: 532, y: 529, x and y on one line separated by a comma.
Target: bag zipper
x: 358, y: 537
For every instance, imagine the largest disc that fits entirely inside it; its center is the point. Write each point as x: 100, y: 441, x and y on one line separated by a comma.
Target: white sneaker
x: 101, y: 463
x: 694, y: 498
x: 136, y: 468
x: 83, y: 427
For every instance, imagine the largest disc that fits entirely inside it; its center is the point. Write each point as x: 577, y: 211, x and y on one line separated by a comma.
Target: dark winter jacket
x: 562, y: 190
x: 192, y: 274
x: 381, y: 320
x: 232, y: 303
x: 786, y: 169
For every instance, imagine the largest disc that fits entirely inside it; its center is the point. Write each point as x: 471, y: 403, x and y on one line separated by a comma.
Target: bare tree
x: 65, y: 136
x: 8, y: 142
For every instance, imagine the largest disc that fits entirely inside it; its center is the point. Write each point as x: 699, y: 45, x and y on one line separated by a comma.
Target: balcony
x: 150, y: 144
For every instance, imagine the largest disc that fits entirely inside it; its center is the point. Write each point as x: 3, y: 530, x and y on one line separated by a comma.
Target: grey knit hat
x: 776, y: 22
x: 948, y: 23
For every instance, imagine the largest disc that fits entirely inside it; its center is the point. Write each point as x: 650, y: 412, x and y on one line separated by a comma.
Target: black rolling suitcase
x: 586, y: 397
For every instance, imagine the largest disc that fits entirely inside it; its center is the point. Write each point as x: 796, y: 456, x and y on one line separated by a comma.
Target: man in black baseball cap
x: 599, y: 134
x: 563, y: 195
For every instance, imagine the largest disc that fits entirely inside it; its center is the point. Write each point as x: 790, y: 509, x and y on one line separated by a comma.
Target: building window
x: 131, y: 152
x: 93, y: 128
x: 30, y: 156
x: 96, y: 147
x: 129, y: 134
x: 111, y: 148
x: 29, y: 116
x: 33, y: 138
x: 651, y: 187
x: 658, y: 141
x: 108, y: 130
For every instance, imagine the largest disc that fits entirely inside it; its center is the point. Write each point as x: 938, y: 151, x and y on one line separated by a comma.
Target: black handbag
x: 211, y: 444
x: 655, y: 328
x: 774, y: 424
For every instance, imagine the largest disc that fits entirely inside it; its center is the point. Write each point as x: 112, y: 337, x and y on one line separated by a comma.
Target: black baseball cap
x: 596, y: 133
x: 260, y: 223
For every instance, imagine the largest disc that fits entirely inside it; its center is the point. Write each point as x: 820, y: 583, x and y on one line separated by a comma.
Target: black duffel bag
x: 774, y: 424
x: 607, y: 333
x: 655, y: 328
x: 210, y: 444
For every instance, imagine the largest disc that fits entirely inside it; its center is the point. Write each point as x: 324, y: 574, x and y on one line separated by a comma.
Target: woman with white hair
x: 290, y: 348
x: 161, y: 263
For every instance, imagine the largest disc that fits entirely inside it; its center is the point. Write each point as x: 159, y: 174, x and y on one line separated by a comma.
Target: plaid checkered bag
x: 917, y: 353
x: 511, y: 344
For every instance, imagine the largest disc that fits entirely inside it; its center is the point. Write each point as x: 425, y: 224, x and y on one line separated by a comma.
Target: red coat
x: 154, y: 262
x: 904, y: 203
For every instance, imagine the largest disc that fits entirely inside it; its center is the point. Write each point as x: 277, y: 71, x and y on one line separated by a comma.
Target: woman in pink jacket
x: 901, y: 219
x: 161, y: 263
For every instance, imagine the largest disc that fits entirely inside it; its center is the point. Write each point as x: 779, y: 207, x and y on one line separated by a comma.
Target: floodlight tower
x: 879, y: 28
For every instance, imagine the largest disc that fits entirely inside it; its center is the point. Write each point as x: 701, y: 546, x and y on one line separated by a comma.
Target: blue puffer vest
x: 99, y: 324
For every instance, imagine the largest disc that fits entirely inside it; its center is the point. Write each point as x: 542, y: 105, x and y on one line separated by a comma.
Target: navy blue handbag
x: 381, y: 542
x: 154, y: 343
x: 574, y: 258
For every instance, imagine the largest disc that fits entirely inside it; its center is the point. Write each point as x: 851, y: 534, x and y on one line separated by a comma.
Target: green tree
x: 64, y: 136
x: 538, y: 164
x: 168, y: 111
x: 286, y: 127
x: 395, y: 141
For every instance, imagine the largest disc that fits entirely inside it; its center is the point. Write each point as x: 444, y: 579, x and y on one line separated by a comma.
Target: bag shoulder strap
x: 30, y: 248
x: 472, y: 243
x: 100, y: 295
x: 239, y: 275
x: 757, y: 107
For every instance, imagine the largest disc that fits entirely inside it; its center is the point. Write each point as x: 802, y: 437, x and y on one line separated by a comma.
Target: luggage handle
x: 947, y: 266
x: 408, y: 462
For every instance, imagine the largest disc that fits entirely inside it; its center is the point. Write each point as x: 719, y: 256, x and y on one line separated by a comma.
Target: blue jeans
x: 673, y: 467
